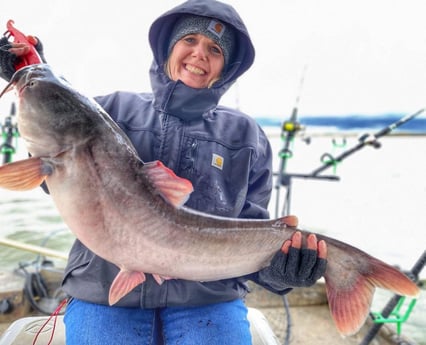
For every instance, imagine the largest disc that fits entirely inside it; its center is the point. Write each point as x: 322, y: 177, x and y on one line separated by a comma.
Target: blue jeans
x: 213, y: 324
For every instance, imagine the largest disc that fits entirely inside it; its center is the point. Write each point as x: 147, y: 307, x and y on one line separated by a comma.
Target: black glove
x: 8, y: 60
x: 298, y: 268
x: 39, y: 48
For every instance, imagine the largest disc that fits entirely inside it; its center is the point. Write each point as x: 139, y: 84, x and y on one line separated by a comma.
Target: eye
x: 189, y: 39
x: 216, y: 50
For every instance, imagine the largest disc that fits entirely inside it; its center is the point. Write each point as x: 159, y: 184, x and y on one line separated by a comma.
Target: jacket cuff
x: 254, y: 277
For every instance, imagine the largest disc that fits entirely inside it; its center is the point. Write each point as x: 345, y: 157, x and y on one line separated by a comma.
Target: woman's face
x: 196, y: 60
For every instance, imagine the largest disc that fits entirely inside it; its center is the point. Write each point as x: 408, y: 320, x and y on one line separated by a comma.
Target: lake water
x: 378, y: 205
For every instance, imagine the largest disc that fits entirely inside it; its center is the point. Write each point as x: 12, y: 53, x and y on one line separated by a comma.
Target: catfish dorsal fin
x: 172, y: 188
x: 291, y: 221
x: 24, y: 174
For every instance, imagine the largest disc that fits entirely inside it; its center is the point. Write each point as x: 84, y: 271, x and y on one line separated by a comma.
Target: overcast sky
x: 361, y: 56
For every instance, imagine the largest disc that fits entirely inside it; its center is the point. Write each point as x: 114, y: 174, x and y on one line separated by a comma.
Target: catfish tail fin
x: 350, y: 295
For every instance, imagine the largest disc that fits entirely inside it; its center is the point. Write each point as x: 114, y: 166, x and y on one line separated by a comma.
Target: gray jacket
x: 223, y: 152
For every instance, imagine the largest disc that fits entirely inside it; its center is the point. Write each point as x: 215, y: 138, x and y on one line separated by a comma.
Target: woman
x: 200, y: 48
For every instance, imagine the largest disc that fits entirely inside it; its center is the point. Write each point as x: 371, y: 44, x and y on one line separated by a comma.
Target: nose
x: 200, y: 51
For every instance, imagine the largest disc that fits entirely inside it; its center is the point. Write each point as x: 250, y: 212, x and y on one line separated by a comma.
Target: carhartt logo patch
x: 217, y: 161
x: 217, y: 28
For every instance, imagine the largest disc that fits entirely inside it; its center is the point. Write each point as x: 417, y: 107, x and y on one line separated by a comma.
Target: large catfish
x: 130, y: 212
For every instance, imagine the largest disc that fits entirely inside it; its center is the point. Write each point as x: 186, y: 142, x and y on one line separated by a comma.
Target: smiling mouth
x: 194, y: 69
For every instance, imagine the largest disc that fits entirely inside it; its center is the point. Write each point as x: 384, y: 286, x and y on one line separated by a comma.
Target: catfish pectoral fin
x: 124, y: 282
x: 350, y: 297
x: 174, y: 189
x: 24, y: 175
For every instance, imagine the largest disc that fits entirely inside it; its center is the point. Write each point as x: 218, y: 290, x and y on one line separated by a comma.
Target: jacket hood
x: 175, y: 97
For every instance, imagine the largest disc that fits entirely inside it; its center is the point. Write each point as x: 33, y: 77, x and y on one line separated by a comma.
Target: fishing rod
x: 390, y: 306
x: 9, y: 132
x: 364, y: 140
x: 33, y: 248
x: 288, y: 132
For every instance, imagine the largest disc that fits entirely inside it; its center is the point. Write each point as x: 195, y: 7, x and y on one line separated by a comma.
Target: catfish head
x: 50, y: 115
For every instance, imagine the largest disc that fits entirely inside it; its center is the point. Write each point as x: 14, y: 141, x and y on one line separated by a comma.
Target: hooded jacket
x: 223, y: 152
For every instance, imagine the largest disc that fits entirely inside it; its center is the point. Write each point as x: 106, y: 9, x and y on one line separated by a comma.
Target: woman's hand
x: 296, y: 265
x: 10, y: 53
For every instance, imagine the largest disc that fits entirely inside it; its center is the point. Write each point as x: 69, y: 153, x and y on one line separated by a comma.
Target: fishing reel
x: 369, y: 139
x: 291, y: 126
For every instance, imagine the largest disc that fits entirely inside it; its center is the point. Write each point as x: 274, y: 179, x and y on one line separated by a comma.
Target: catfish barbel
x: 130, y: 212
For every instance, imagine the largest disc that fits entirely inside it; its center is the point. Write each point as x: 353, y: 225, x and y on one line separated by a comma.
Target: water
x: 377, y: 205
x: 30, y: 217
x: 415, y: 124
